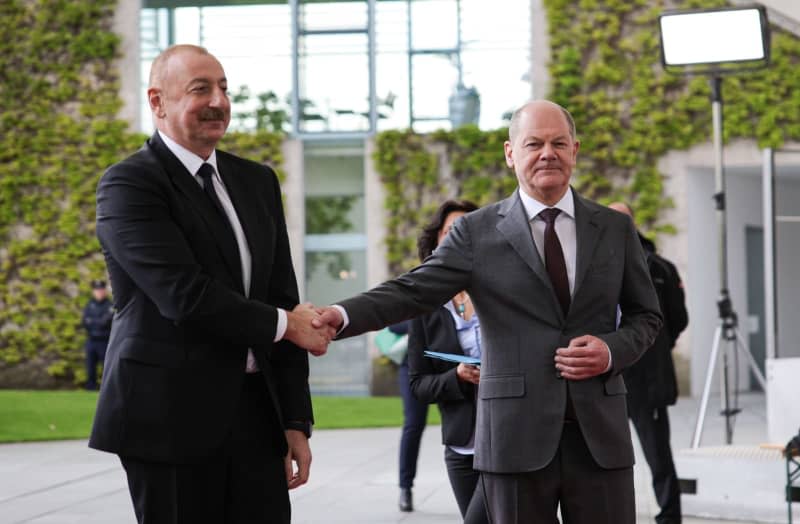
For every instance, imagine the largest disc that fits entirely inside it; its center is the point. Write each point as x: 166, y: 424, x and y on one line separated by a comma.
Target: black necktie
x: 206, y: 174
x: 554, y: 258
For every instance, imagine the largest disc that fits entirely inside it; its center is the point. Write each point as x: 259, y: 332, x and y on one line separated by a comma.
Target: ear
x: 156, y: 100
x: 508, y: 152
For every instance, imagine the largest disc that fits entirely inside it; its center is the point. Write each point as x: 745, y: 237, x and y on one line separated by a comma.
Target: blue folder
x: 452, y: 357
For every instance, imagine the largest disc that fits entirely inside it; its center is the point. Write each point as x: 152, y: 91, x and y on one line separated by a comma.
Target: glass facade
x: 423, y: 49
x: 335, y: 255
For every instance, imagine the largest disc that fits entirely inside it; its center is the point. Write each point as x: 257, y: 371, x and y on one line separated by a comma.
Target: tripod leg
x: 752, y: 361
x: 712, y: 362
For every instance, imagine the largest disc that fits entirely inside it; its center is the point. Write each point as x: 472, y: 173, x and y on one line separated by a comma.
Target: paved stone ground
x: 354, y: 476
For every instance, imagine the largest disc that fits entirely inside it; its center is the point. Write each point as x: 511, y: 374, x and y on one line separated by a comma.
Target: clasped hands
x: 312, y: 328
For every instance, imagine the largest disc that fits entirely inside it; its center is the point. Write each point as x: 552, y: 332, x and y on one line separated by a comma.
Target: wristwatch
x: 299, y: 425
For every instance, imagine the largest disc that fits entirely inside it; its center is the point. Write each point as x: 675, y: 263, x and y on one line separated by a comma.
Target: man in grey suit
x: 546, y: 270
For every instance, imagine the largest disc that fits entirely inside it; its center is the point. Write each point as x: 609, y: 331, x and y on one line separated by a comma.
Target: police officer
x: 97, y: 321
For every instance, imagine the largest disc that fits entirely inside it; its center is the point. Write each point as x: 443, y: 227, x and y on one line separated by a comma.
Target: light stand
x: 702, y: 41
x: 727, y: 330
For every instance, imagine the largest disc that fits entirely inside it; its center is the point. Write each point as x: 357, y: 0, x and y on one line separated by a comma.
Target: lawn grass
x: 57, y: 415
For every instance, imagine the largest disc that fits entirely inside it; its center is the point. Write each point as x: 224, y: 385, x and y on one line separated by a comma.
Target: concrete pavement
x: 354, y: 476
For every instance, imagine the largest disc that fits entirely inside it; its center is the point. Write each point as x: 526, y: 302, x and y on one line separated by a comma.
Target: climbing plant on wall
x: 58, y: 133
x: 629, y: 112
x: 605, y: 69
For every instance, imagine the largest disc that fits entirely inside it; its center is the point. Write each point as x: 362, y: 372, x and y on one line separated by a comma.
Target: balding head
x: 513, y: 126
x: 159, y: 69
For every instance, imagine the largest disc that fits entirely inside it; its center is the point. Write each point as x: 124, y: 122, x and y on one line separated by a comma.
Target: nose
x: 548, y: 151
x: 219, y: 98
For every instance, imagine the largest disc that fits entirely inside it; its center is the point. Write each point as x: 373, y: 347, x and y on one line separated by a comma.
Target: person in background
x: 415, y: 416
x: 96, y: 320
x: 453, y: 328
x: 651, y: 381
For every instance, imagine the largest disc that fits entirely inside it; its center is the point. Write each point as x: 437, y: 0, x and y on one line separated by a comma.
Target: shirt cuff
x: 610, y: 360
x: 345, y: 318
x: 280, y: 329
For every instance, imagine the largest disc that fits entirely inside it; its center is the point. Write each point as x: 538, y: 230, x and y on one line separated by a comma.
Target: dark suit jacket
x: 176, y: 357
x: 434, y: 380
x: 521, y: 402
x: 651, y: 381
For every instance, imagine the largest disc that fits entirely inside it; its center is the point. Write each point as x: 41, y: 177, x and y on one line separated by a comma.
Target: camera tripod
x: 727, y: 332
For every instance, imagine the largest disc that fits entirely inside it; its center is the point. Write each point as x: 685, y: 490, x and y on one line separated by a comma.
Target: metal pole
x: 295, y: 10
x: 770, y: 295
x: 726, y: 402
x: 373, y: 98
x: 712, y: 363
x: 719, y: 183
x: 410, y: 66
x: 458, y: 44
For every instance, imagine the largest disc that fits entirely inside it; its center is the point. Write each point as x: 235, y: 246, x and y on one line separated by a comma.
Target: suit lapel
x: 587, y: 233
x: 515, y: 228
x: 186, y: 184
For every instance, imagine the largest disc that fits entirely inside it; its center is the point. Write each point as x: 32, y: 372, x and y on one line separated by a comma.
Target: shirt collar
x: 533, y: 207
x: 190, y: 161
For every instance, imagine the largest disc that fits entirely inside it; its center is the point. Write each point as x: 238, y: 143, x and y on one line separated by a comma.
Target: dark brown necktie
x: 554, y: 258
x: 557, y: 269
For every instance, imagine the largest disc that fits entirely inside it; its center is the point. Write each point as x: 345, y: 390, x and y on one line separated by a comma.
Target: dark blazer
x: 434, y: 380
x: 176, y: 357
x: 521, y: 402
x: 651, y: 381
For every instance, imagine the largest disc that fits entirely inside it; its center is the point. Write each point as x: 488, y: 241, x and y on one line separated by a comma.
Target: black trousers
x: 415, y: 415
x: 244, y: 483
x: 652, y: 427
x: 587, y: 493
x: 466, y: 486
x: 95, y: 354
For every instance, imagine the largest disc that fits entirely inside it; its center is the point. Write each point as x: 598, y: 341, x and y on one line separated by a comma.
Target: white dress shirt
x: 565, y: 229
x: 192, y: 163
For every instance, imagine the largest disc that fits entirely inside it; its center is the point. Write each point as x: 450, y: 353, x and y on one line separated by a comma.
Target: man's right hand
x: 329, y: 316
x: 301, y: 332
x: 468, y: 373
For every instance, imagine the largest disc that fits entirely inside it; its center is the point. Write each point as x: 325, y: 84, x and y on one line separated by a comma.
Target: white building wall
x: 695, y: 248
x: 126, y: 25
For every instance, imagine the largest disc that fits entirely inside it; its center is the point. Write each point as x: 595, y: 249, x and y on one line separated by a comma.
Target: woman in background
x: 453, y: 328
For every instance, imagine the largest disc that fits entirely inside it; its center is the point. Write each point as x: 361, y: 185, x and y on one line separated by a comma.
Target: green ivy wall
x: 58, y: 133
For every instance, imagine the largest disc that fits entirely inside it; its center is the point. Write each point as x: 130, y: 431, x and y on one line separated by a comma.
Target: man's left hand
x: 300, y: 454
x: 585, y: 357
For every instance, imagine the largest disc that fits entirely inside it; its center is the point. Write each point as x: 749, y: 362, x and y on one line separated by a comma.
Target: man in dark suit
x: 651, y: 381
x: 205, y: 392
x: 545, y: 269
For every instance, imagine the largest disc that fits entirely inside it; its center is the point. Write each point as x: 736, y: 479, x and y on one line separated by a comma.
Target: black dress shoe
x: 405, y: 503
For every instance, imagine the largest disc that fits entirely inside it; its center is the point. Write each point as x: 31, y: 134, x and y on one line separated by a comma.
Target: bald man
x: 205, y: 392
x: 545, y: 269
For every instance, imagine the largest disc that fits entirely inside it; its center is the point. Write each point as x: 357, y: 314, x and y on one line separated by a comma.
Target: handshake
x: 313, y: 328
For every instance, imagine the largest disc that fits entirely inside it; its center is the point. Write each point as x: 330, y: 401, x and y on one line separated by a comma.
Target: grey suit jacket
x: 521, y: 402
